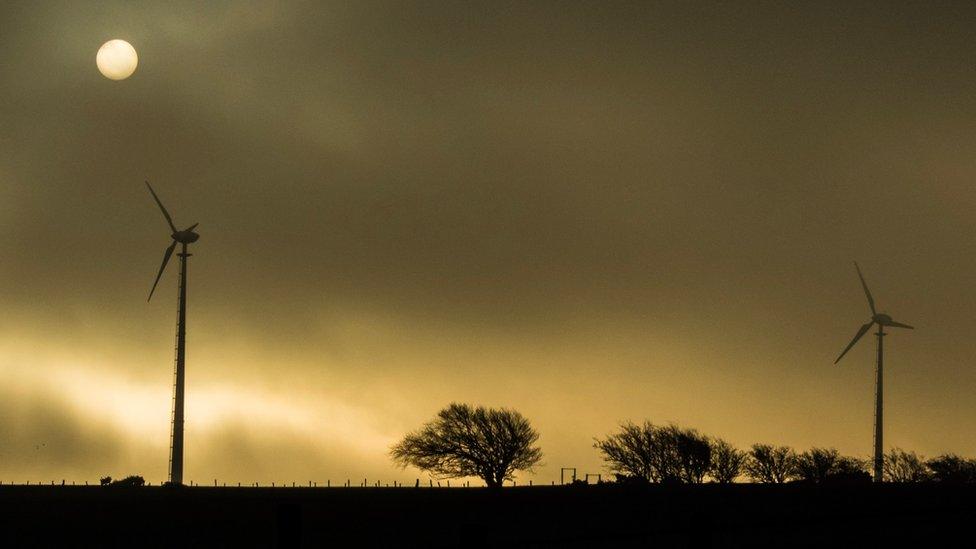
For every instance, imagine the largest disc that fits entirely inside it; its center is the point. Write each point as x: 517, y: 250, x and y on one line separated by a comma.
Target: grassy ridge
x: 742, y: 515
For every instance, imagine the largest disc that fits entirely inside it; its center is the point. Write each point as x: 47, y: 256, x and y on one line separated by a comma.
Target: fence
x: 348, y: 483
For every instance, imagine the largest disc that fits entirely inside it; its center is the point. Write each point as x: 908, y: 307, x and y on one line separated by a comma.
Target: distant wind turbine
x: 184, y: 237
x: 881, y: 320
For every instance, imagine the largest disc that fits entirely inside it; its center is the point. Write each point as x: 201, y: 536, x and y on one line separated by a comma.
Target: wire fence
x: 347, y: 483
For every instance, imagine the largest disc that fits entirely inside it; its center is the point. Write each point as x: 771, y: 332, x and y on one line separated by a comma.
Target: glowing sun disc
x: 117, y: 59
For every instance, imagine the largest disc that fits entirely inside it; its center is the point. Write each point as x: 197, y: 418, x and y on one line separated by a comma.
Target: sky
x: 588, y: 212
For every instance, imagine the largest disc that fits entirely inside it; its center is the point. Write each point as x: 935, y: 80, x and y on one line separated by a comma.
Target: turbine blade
x: 191, y: 227
x: 163, y: 208
x: 867, y: 292
x: 860, y: 333
x: 899, y: 325
x: 169, y: 252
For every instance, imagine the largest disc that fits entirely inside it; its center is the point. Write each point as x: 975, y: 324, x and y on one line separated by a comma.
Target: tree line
x: 493, y: 444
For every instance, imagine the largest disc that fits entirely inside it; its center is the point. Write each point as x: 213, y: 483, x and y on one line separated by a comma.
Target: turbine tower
x: 183, y: 238
x: 881, y: 320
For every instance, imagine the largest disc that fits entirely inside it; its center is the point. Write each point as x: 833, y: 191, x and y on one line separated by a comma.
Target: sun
x: 117, y: 59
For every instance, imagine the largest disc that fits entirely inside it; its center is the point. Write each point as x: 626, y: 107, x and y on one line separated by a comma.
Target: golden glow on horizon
x: 336, y: 419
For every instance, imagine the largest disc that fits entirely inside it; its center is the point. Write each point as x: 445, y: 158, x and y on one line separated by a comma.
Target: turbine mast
x: 183, y: 238
x: 882, y: 320
x: 176, y: 445
x: 879, y: 410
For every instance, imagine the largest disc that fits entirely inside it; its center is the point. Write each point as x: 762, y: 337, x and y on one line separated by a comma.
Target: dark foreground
x: 568, y: 516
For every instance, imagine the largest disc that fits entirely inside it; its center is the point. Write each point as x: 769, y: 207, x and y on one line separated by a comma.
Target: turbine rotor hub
x: 185, y: 237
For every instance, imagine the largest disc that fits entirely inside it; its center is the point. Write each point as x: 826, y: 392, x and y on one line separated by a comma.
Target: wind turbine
x: 882, y: 320
x: 183, y: 238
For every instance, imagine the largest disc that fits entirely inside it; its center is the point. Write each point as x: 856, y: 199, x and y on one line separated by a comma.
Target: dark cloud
x: 609, y: 195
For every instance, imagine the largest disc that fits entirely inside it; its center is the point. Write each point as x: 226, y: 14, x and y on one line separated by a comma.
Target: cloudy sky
x: 589, y: 212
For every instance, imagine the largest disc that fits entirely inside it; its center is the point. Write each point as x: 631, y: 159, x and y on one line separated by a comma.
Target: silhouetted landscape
x: 493, y: 273
x: 741, y: 515
x: 670, y: 486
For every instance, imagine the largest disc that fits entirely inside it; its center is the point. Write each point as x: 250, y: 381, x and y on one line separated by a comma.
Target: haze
x: 590, y: 213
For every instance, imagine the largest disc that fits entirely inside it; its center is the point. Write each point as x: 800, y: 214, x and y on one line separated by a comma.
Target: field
x: 561, y: 516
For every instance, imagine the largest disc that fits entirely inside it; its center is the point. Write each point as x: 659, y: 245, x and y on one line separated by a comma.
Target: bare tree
x: 463, y: 441
x: 952, y: 468
x: 850, y: 469
x: 816, y: 464
x: 694, y: 454
x: 631, y: 452
x: 665, y: 460
x: 902, y: 466
x: 131, y: 480
x: 727, y: 461
x: 656, y: 454
x: 771, y: 464
x: 826, y: 464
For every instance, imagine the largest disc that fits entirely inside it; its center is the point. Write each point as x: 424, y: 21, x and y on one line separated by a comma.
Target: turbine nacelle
x: 185, y: 237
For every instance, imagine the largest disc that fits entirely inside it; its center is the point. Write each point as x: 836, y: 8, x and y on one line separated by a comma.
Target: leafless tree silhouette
x: 952, y: 468
x: 902, y: 466
x: 771, y: 464
x: 694, y: 454
x: 728, y: 461
x: 463, y: 441
x: 825, y: 464
x: 131, y: 480
x: 657, y: 454
x: 631, y: 452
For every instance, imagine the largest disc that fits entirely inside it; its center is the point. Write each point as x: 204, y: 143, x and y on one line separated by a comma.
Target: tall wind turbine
x: 183, y: 238
x: 881, y: 320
